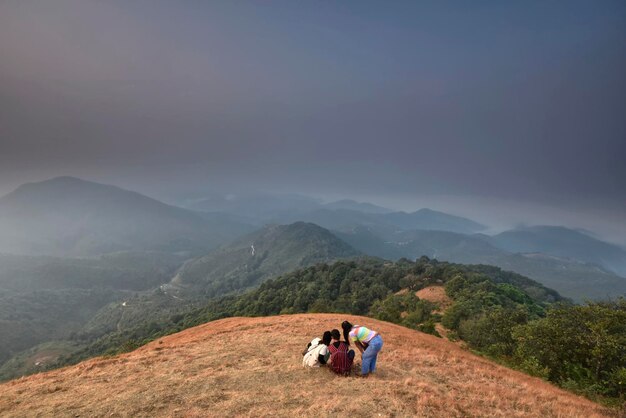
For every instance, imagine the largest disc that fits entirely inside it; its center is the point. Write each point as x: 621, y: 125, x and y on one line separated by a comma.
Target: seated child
x: 341, y: 357
x: 316, y: 353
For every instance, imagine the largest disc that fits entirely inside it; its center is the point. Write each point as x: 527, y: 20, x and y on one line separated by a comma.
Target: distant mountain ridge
x: 67, y: 216
x: 341, y: 214
x: 386, y: 223
x: 258, y: 208
x: 431, y: 220
x: 350, y: 204
x: 563, y: 242
x: 572, y: 278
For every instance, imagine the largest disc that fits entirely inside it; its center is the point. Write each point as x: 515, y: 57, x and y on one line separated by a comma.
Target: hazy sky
x: 494, y: 109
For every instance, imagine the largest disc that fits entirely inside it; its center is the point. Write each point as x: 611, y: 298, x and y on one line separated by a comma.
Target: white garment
x: 311, y: 357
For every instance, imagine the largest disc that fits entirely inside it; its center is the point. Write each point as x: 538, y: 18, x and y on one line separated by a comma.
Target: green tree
x: 582, y: 344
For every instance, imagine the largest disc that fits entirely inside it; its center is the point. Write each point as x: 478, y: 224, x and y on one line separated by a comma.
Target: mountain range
x: 573, y: 278
x: 563, y: 242
x: 66, y: 216
x: 84, y: 259
x: 282, y: 209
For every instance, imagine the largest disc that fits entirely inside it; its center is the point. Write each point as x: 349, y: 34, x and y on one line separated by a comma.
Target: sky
x: 510, y: 112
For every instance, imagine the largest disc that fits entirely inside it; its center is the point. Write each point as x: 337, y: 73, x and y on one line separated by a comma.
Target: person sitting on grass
x: 316, y: 352
x: 341, y: 357
x: 368, y: 342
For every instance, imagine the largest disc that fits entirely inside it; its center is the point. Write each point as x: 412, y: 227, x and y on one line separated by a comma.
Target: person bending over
x: 368, y: 342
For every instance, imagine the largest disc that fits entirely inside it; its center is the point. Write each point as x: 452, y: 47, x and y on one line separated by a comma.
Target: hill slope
x: 44, y: 298
x: 121, y: 271
x: 198, y: 372
x: 266, y: 253
x: 232, y: 268
x: 72, y: 217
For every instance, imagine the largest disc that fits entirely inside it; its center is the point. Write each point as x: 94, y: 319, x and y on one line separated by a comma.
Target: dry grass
x: 435, y: 294
x: 252, y: 367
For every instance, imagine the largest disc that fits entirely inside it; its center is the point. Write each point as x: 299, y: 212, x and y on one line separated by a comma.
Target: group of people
x: 330, y: 350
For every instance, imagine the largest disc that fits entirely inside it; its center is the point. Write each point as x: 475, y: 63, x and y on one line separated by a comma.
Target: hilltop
x: 251, y: 367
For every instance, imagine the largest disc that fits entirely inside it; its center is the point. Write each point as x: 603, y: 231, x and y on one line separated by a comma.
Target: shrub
x: 585, y: 344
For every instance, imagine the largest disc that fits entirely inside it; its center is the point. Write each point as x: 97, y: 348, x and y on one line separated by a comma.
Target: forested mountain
x: 72, y: 217
x: 245, y: 263
x: 266, y: 253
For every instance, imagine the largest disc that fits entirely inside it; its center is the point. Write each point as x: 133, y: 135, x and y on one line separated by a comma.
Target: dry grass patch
x: 435, y: 294
x: 252, y: 367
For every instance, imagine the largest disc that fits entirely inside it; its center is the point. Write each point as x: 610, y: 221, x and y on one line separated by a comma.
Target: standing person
x: 368, y: 342
x: 341, y: 357
x: 316, y: 352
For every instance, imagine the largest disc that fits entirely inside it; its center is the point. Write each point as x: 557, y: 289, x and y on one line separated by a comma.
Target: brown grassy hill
x: 436, y: 294
x: 252, y: 367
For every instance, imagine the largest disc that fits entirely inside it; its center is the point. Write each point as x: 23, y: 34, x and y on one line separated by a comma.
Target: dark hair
x: 326, y: 338
x: 335, y: 334
x: 347, y: 327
